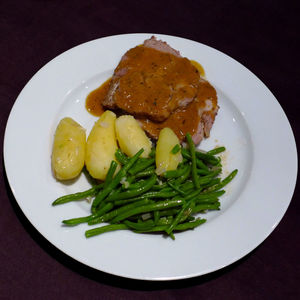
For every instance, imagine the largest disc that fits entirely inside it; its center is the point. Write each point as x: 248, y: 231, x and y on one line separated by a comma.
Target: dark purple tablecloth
x: 262, y: 35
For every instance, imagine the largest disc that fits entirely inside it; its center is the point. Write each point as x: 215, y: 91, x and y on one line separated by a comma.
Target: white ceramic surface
x: 250, y: 123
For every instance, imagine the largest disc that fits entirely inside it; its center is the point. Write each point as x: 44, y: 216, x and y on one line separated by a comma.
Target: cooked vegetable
x: 113, y: 184
x: 216, y: 151
x: 101, y: 146
x: 167, y: 204
x: 194, y: 163
x: 78, y: 196
x: 165, y: 159
x: 68, y: 149
x: 131, y: 137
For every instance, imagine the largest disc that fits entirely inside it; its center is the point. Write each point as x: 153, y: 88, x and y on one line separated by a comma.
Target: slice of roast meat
x: 151, y: 81
x: 196, y: 118
x: 160, y: 46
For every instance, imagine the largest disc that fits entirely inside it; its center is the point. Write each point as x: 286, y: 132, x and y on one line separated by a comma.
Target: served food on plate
x: 101, y: 146
x: 131, y: 137
x: 160, y: 88
x: 166, y: 159
x: 149, y: 186
x: 68, y: 150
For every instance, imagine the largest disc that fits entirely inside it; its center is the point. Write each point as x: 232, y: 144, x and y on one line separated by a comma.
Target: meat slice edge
x: 196, y: 118
x: 165, y: 99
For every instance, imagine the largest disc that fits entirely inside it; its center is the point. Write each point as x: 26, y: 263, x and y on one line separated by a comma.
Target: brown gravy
x: 95, y: 98
x: 181, y: 121
x: 188, y: 118
x: 152, y: 84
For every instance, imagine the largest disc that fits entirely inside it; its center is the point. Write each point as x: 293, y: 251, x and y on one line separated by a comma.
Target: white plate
x: 250, y: 123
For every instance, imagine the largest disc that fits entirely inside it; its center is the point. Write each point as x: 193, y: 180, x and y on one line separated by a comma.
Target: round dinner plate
x: 250, y: 124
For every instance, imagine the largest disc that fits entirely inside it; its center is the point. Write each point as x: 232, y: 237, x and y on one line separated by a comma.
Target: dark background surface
x: 262, y: 35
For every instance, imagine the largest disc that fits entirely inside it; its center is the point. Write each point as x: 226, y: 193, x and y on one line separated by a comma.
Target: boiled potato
x: 101, y: 146
x: 68, y: 149
x: 131, y: 136
x: 165, y: 160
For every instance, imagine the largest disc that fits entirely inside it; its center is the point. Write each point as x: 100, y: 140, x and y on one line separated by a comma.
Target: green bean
x: 207, y: 158
x: 152, y: 152
x: 175, y: 149
x: 184, y: 176
x: 127, y: 201
x: 168, y: 212
x: 142, y: 224
x: 156, y: 216
x: 122, y: 173
x: 176, y: 188
x: 186, y: 216
x: 147, y: 172
x: 136, y: 185
x: 78, y: 196
x: 76, y: 221
x: 107, y: 207
x: 214, y: 171
x: 142, y: 188
x: 224, y: 182
x: 192, y: 195
x: 147, y: 208
x: 179, y: 227
x: 127, y: 182
x: 175, y: 181
x: 110, y: 173
x: 165, y: 220
x: 139, y: 225
x: 160, y: 186
x: 213, y: 182
x: 141, y: 164
x: 193, y: 156
x: 207, y: 178
x: 203, y: 207
x: 210, y: 195
x: 187, y: 186
x: 114, y: 213
x: 178, y: 217
x: 103, y: 229
x: 201, y: 157
x: 164, y: 193
x: 203, y: 172
x: 199, y: 162
x: 176, y: 173
x: 172, y: 236
x: 211, y: 200
x: 100, y: 212
x: 216, y: 151
x: 121, y: 157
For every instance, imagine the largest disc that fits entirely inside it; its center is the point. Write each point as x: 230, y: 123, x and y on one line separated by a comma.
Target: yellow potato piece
x: 68, y: 150
x: 164, y: 159
x: 101, y: 146
x: 131, y: 137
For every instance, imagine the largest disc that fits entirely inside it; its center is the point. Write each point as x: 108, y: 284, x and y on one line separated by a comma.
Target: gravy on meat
x: 183, y: 120
x: 149, y: 83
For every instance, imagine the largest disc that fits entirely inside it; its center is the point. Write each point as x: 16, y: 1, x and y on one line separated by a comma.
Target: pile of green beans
x: 137, y: 199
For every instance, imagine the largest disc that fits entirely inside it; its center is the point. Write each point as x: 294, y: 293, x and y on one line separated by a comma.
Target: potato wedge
x: 68, y: 150
x: 164, y: 159
x: 101, y: 146
x: 131, y: 137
